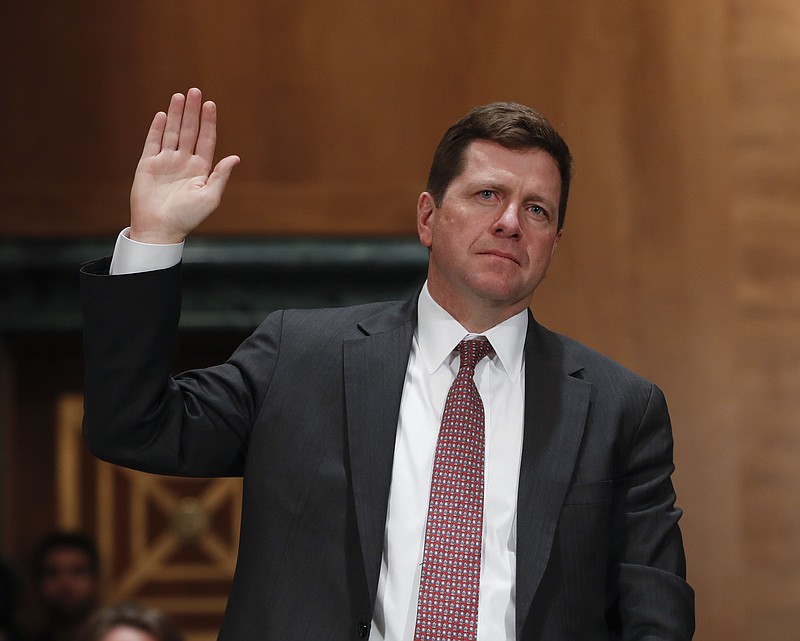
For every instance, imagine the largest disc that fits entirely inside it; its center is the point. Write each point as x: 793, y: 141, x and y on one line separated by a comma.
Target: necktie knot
x: 472, y: 351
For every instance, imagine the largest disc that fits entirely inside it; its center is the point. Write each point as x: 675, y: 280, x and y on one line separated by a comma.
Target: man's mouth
x: 501, y: 254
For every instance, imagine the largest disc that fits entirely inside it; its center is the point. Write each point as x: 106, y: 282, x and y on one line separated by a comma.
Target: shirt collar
x: 438, y: 333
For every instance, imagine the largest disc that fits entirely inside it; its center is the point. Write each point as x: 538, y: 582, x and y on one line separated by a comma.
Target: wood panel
x: 765, y: 56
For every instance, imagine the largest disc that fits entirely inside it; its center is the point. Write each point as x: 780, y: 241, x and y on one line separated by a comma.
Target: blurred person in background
x: 66, y: 571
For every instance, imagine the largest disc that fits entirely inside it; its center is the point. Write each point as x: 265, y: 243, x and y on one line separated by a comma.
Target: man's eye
x: 486, y: 194
x: 536, y: 210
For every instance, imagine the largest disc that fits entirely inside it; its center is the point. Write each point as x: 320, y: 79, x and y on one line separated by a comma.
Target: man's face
x: 68, y: 586
x: 495, y: 233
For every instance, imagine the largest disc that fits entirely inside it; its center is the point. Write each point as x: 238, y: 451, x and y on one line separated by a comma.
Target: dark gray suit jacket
x: 306, y: 409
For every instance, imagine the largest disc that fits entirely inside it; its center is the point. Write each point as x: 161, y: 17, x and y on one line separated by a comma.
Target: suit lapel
x: 374, y: 373
x: 556, y: 406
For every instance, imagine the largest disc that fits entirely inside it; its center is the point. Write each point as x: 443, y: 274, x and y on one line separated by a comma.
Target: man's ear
x: 425, y: 209
x: 555, y: 242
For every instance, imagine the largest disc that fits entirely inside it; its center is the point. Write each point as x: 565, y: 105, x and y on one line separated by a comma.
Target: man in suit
x: 332, y: 416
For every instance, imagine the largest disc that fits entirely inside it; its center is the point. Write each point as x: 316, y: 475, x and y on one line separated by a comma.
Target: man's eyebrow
x: 488, y: 183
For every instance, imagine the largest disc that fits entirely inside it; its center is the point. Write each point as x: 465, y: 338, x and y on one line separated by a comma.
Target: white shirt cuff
x: 133, y: 257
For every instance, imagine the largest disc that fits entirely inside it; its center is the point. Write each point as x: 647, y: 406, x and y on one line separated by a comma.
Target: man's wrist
x: 153, y: 237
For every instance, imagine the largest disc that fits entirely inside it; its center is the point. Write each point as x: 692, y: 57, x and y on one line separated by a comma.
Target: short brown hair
x: 131, y: 615
x: 509, y: 124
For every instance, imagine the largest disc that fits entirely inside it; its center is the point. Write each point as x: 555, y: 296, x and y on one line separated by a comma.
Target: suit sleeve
x: 649, y: 597
x: 135, y: 413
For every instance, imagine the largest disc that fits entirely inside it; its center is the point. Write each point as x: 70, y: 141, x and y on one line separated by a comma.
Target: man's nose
x: 507, y: 224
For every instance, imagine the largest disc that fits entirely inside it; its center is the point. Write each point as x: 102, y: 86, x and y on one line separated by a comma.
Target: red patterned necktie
x: 451, y: 564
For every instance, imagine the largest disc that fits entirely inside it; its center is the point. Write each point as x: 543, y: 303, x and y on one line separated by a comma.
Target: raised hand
x: 174, y: 188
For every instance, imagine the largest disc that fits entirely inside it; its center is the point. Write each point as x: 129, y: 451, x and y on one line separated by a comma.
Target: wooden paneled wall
x: 765, y: 214
x: 682, y: 252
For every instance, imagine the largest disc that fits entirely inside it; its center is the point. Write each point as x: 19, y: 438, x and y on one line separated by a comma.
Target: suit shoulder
x: 341, y: 322
x: 345, y: 314
x: 590, y: 364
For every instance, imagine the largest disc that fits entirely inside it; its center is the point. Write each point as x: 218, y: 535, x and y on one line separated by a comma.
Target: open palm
x: 175, y: 188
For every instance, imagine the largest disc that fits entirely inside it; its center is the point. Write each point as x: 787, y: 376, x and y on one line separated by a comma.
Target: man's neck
x: 478, y: 316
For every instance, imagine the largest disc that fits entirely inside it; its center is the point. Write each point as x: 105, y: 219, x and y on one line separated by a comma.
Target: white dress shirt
x: 500, y: 379
x: 432, y: 367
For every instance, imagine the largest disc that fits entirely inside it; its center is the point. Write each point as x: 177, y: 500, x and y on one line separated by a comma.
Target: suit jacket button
x: 363, y: 629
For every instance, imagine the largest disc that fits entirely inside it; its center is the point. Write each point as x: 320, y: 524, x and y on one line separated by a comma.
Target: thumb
x: 222, y: 172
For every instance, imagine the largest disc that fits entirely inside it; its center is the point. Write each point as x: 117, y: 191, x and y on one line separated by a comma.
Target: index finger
x: 152, y: 143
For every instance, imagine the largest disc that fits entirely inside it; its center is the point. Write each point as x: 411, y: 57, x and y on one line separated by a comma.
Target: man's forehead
x: 486, y: 161
x: 491, y: 153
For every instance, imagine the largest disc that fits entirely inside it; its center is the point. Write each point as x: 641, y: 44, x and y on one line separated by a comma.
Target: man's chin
x: 504, y: 295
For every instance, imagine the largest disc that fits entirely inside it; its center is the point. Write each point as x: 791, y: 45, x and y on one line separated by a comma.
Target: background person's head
x: 509, y: 124
x: 130, y: 622
x: 66, y: 569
